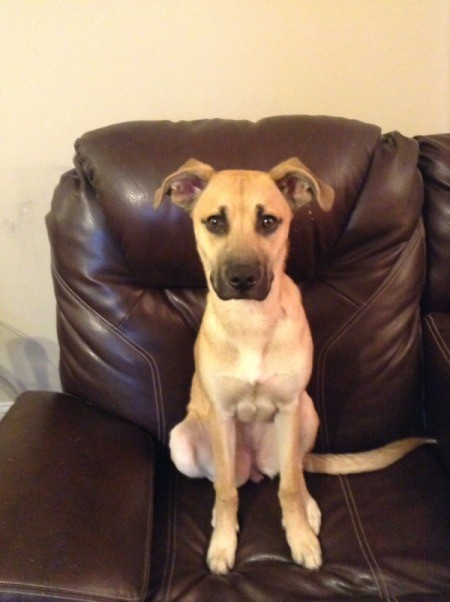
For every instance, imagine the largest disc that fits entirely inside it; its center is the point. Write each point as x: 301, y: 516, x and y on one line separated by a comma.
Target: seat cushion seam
x: 362, y: 539
x: 169, y: 565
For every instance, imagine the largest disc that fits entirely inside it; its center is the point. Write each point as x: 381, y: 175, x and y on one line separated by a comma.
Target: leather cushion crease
x: 103, y: 513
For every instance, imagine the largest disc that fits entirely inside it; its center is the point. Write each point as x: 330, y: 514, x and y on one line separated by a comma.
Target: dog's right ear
x: 185, y: 185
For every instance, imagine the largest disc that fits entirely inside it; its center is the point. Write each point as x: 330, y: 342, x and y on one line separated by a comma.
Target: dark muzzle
x: 242, y: 280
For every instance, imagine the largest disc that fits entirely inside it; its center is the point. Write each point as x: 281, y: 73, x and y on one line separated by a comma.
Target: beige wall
x: 67, y: 66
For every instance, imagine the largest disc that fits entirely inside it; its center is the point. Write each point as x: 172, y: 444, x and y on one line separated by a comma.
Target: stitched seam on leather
x: 54, y: 594
x: 131, y: 308
x: 61, y: 592
x: 437, y: 337
x: 364, y: 544
x: 357, y: 524
x: 171, y: 540
x: 340, y: 293
x: 147, y: 357
x: 148, y: 538
x: 321, y: 360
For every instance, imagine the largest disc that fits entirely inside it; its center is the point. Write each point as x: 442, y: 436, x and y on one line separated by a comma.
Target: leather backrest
x: 130, y: 290
x: 434, y: 163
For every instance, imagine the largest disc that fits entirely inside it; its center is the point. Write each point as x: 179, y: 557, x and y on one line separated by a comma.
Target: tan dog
x: 249, y: 414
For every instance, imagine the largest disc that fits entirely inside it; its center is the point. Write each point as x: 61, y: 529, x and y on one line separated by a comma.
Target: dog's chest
x: 258, y: 401
x: 259, y: 382
x: 254, y: 367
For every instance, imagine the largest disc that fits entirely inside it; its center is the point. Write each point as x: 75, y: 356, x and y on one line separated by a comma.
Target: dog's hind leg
x: 191, y: 452
x: 190, y: 448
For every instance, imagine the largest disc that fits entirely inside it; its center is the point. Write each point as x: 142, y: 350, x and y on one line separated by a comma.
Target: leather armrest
x: 76, y: 501
x: 437, y: 379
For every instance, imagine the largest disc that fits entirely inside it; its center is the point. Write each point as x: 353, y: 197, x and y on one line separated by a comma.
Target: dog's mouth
x: 249, y: 281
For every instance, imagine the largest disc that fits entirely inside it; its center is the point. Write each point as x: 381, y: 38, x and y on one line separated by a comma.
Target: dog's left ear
x: 300, y: 186
x: 185, y: 185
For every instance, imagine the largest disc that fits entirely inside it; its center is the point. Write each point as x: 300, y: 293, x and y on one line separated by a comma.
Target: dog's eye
x: 268, y: 223
x: 217, y: 224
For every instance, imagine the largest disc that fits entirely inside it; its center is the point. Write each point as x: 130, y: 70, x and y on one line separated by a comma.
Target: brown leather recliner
x: 91, y: 507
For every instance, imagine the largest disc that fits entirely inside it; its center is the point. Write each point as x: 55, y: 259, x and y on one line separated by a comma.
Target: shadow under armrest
x: 76, y: 502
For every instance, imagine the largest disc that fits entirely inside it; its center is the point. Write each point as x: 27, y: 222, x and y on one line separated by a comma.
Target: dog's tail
x: 368, y: 461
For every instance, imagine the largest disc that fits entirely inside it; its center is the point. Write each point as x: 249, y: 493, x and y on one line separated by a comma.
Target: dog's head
x: 241, y: 220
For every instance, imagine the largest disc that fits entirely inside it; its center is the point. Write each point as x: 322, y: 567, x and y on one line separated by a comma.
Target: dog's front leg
x: 222, y: 548
x: 304, y: 545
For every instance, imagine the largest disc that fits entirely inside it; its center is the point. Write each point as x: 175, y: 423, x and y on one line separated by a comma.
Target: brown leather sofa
x: 91, y: 507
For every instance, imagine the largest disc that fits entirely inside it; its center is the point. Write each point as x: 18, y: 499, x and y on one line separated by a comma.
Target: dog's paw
x: 221, y: 554
x: 314, y: 515
x: 306, y: 551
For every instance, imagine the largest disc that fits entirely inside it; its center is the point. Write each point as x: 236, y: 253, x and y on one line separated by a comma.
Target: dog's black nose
x: 237, y: 279
x: 243, y: 277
